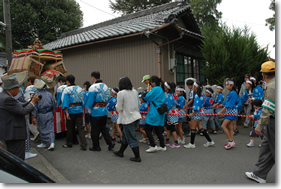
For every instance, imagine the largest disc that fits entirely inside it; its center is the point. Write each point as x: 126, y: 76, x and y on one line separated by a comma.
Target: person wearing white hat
x: 44, y: 115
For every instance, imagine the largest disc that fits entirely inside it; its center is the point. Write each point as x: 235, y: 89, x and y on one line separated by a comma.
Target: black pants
x: 16, y: 147
x: 158, y: 131
x: 75, y: 119
x: 99, y: 126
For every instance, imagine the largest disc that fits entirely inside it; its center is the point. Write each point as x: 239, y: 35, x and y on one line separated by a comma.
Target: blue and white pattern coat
x: 59, y: 94
x: 143, y: 108
x: 232, y: 99
x: 73, y: 95
x: 197, y: 106
x: 111, y: 107
x: 172, y: 109
x: 98, y: 92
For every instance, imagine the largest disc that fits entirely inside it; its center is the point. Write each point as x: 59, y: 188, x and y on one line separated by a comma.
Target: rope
x: 204, y: 114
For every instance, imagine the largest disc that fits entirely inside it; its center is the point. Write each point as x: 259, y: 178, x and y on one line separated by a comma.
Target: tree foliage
x: 205, y: 12
x: 271, y: 21
x: 43, y: 19
x: 131, y: 6
x: 231, y: 53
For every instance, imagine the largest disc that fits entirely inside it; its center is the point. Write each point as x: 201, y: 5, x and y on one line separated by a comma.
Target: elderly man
x: 267, y: 121
x: 12, y: 114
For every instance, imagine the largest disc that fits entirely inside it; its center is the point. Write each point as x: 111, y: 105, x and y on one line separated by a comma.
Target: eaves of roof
x: 128, y: 25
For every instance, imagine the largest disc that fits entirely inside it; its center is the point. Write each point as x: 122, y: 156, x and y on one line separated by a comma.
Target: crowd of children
x: 205, y: 109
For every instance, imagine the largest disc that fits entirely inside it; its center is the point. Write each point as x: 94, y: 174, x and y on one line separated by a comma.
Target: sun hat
x: 50, y: 77
x: 39, y: 84
x: 15, y: 80
x: 268, y: 66
x: 146, y: 77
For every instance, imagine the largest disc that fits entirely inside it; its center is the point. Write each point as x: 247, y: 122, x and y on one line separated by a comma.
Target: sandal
x: 67, y: 146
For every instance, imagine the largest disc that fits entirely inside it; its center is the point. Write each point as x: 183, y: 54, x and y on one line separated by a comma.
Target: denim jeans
x: 217, y: 120
x: 129, y: 134
x: 205, y: 121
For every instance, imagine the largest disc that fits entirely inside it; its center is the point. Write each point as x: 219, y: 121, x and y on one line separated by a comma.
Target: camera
x: 39, y: 95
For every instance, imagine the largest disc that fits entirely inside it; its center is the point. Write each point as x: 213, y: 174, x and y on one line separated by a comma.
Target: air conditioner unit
x: 172, y: 64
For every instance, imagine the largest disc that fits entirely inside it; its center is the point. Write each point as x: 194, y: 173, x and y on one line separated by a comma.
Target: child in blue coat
x: 257, y: 103
x: 111, y: 106
x: 180, y: 104
x: 172, y: 120
x: 208, y: 109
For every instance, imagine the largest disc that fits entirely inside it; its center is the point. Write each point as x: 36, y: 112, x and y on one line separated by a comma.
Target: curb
x: 42, y: 164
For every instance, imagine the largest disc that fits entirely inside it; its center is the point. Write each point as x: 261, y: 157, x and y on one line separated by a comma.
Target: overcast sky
x: 236, y: 13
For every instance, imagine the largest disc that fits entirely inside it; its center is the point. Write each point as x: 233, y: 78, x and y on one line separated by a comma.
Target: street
x: 212, y: 165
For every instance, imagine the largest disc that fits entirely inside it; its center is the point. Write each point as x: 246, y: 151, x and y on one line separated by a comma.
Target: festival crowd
x: 158, y: 113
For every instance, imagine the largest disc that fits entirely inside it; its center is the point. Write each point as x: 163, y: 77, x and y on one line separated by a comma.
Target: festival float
x: 43, y: 64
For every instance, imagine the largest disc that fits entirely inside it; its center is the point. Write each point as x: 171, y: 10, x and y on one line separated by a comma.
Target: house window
x: 189, y: 66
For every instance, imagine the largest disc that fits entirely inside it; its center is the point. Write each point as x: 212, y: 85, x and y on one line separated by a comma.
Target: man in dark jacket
x: 12, y: 114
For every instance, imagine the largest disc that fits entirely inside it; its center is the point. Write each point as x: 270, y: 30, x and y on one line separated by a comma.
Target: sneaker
x: 167, y: 143
x: 201, y: 134
x: 220, y: 131
x: 252, y: 176
x: 188, y: 134
x: 29, y: 155
x: 177, y: 145
x: 41, y: 145
x: 229, y: 145
x: 161, y: 148
x: 250, y: 144
x: 245, y: 126
x: 212, y: 143
x: 182, y: 141
x: 172, y: 146
x: 152, y: 149
x: 189, y: 145
x: 164, y: 133
x: 213, y: 132
x: 35, y: 137
x: 235, y: 132
x: 143, y: 140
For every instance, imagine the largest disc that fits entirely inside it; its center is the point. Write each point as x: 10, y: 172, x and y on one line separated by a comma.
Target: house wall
x: 133, y: 57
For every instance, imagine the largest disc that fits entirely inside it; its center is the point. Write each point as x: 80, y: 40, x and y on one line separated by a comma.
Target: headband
x: 112, y: 90
x: 195, y: 84
x: 140, y: 96
x: 168, y: 86
x: 209, y: 91
x: 180, y: 89
x: 252, y: 78
x: 250, y: 82
x: 230, y: 82
x: 219, y: 87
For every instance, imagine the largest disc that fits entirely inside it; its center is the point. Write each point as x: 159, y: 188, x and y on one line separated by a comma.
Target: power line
x: 97, y: 8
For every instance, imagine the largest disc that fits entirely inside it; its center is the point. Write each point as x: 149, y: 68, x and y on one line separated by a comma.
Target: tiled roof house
x: 161, y: 41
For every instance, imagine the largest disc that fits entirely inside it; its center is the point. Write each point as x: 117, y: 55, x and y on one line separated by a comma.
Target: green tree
x: 205, y: 12
x: 131, y: 6
x: 231, y: 53
x: 43, y: 19
x: 271, y: 21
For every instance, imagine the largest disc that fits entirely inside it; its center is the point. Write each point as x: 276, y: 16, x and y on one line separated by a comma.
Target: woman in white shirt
x: 129, y: 116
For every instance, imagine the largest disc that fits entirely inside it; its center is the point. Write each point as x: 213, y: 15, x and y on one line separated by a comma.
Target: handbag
x: 162, y: 109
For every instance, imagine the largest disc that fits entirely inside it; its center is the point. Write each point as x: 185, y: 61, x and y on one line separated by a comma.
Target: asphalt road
x: 212, y: 165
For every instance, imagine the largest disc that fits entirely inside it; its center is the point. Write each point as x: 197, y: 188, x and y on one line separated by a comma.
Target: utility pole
x: 7, y: 21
